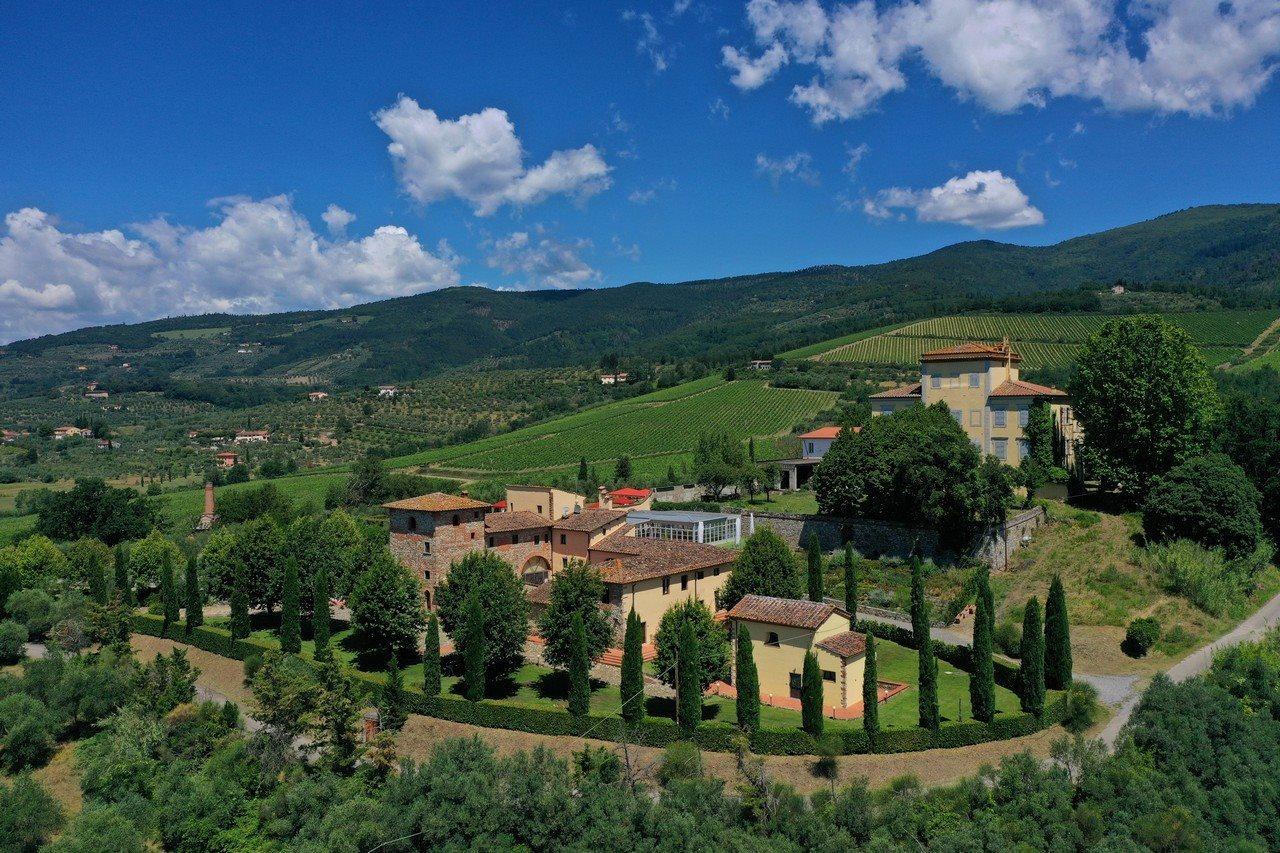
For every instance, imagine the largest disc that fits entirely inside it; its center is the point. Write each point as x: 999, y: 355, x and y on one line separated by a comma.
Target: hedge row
x: 712, y: 736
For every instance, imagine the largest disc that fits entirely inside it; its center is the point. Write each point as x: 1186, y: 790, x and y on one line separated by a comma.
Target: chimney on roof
x: 577, y: 508
x: 606, y: 499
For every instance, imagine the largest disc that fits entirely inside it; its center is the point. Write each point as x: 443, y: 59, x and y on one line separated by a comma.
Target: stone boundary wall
x: 875, y: 539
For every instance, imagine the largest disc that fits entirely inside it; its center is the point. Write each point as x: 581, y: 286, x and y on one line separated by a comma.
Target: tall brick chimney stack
x: 606, y: 499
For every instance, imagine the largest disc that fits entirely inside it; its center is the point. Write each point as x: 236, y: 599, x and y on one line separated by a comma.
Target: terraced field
x: 1044, y: 340
x: 665, y: 422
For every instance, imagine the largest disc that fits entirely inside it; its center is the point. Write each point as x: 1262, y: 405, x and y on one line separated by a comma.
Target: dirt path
x: 1199, y: 661
x: 1248, y: 351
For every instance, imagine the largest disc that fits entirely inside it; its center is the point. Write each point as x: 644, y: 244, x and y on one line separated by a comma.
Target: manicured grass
x: 798, y: 503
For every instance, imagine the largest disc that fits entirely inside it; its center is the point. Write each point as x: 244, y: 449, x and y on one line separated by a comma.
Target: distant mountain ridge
x: 1231, y: 250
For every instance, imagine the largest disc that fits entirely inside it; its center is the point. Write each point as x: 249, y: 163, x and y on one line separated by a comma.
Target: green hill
x: 1227, y: 254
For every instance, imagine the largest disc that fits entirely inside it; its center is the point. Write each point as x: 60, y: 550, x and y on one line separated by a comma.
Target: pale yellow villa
x: 783, y: 630
x: 979, y: 382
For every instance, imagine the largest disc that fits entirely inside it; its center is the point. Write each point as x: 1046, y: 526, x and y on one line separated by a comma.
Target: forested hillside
x: 1226, y: 255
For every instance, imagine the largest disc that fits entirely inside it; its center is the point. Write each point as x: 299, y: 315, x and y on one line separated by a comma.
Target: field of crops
x: 1044, y: 340
x: 666, y: 422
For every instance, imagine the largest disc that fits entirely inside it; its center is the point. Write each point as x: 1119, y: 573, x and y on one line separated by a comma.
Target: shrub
x: 1204, y: 577
x: 1081, y: 706
x: 681, y: 760
x: 34, y: 609
x: 1008, y: 639
x: 1140, y: 636
x: 1208, y: 500
x: 13, y: 641
x: 28, y: 743
x: 30, y: 814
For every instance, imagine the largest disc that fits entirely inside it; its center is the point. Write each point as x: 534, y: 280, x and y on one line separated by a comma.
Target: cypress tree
x: 811, y: 696
x: 814, y: 555
x: 168, y: 593
x: 919, y: 611
x: 290, y: 610
x: 195, y: 601
x: 431, y: 658
x: 1057, y: 638
x: 320, y: 614
x: 632, y: 682
x: 583, y: 473
x: 871, y: 694
x: 747, y: 684
x: 473, y: 651
x: 123, y: 586
x: 688, y: 679
x: 391, y: 710
x: 579, y: 668
x: 1031, y: 674
x: 982, y: 683
x: 851, y: 587
x: 239, y: 611
x: 97, y: 578
x: 929, y: 718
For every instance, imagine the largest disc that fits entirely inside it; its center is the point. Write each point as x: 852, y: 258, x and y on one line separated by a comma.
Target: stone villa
x: 979, y: 383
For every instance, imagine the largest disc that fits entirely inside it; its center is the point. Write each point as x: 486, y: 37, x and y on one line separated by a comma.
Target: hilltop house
x: 252, y: 436
x: 227, y: 459
x: 71, y: 432
x: 979, y: 383
x: 783, y: 630
x: 540, y: 532
x: 388, y: 390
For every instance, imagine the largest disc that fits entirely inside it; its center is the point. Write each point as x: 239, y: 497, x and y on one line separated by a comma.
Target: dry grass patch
x: 222, y: 675
x: 933, y: 767
x: 60, y: 778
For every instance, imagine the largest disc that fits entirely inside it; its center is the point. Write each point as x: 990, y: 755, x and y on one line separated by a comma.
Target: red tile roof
x: 1022, y: 388
x: 822, y: 432
x: 901, y: 392
x: 969, y: 350
x: 792, y: 612
x: 654, y: 558
x: 844, y: 645
x: 437, y: 502
x: 590, y: 520
x: 628, y: 492
x: 501, y: 522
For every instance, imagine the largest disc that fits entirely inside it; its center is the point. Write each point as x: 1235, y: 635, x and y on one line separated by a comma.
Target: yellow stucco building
x: 979, y: 382
x: 783, y: 630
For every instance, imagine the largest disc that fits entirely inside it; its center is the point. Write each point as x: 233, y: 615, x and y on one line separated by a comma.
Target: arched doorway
x: 535, y: 571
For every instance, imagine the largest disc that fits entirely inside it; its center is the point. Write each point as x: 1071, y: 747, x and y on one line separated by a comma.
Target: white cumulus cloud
x: 798, y: 165
x: 751, y: 73
x: 544, y: 261
x: 337, y: 219
x: 260, y: 255
x: 983, y: 200
x: 479, y: 158
x: 1194, y: 57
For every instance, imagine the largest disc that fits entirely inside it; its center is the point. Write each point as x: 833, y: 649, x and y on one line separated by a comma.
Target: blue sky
x: 158, y: 159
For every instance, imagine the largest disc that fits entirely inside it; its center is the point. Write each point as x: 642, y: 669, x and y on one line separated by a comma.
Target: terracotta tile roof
x: 644, y: 559
x: 590, y: 519
x: 822, y: 432
x: 902, y: 391
x: 1022, y: 388
x: 540, y: 594
x: 500, y: 522
x: 971, y: 349
x: 628, y: 492
x: 437, y: 502
x: 844, y: 645
x: 792, y: 612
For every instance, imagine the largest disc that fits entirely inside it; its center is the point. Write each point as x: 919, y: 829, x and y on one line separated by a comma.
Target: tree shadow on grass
x: 665, y: 707
x: 555, y: 685
x: 503, y: 689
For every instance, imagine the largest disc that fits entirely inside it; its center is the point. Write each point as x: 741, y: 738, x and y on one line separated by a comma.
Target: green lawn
x: 797, y: 503
x: 541, y: 687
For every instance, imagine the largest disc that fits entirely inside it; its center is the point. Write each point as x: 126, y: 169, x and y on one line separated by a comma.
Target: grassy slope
x: 1107, y: 585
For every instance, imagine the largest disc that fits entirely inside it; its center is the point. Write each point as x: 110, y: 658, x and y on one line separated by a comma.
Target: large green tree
x: 1031, y: 673
x: 871, y: 694
x: 813, y: 563
x: 919, y: 605
x: 928, y: 698
x: 291, y: 609
x: 431, y: 658
x: 711, y: 638
x: 195, y: 596
x: 766, y: 565
x: 256, y: 557
x: 747, y: 683
x: 811, y: 719
x: 576, y: 590
x: 473, y: 642
x: 1208, y: 500
x: 1057, y: 638
x: 506, y: 610
x: 916, y: 466
x: 631, y: 684
x: 982, y: 683
x: 579, y: 668
x: 92, y: 508
x: 1144, y: 397
x: 386, y: 608
x: 320, y: 612
x: 688, y: 671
